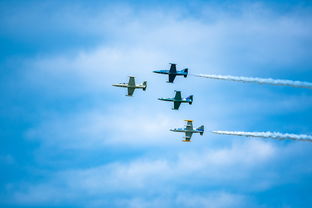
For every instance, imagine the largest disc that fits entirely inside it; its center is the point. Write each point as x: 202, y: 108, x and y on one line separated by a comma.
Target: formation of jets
x: 177, y: 99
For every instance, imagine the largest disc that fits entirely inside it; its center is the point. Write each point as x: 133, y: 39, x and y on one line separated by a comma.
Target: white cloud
x: 217, y: 200
x: 117, y: 126
x: 146, y: 177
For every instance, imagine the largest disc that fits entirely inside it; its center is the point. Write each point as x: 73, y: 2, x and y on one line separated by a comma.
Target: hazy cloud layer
x: 161, y: 176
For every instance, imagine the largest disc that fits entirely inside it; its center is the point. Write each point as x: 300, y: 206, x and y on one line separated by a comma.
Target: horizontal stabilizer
x: 190, y: 99
x: 201, y: 128
x: 145, y: 85
x: 185, y: 71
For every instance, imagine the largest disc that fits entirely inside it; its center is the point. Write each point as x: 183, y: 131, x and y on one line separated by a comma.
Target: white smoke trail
x: 273, y: 135
x: 259, y: 80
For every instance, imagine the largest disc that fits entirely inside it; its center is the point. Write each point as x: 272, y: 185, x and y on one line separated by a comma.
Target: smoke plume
x: 272, y: 135
x: 260, y: 80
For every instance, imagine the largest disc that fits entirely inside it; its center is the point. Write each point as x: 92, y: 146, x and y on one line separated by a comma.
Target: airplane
x: 177, y: 100
x: 173, y: 72
x: 131, y: 85
x: 189, y: 130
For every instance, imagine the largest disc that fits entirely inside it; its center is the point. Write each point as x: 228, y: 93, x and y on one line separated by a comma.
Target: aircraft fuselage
x: 187, y: 130
x: 126, y: 85
x: 177, y: 73
x: 184, y: 100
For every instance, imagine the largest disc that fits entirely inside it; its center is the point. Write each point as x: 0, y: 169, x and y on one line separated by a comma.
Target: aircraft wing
x: 176, y: 105
x: 130, y: 91
x: 188, y: 136
x: 172, y: 77
x: 131, y: 81
x: 178, y: 95
x: 189, y: 125
x: 173, y: 68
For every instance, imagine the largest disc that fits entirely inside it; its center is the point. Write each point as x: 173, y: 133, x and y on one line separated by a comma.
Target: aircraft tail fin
x: 145, y: 85
x: 190, y: 99
x: 186, y: 72
x: 201, y: 128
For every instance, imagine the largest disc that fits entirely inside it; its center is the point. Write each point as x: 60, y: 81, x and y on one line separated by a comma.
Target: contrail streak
x: 272, y: 135
x: 259, y: 80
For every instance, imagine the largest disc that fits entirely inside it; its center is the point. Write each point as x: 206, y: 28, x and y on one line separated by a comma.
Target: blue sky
x: 70, y: 139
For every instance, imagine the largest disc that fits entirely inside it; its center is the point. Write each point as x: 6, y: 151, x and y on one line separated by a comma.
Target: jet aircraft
x: 188, y: 130
x: 177, y: 100
x: 131, y: 85
x: 173, y: 72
